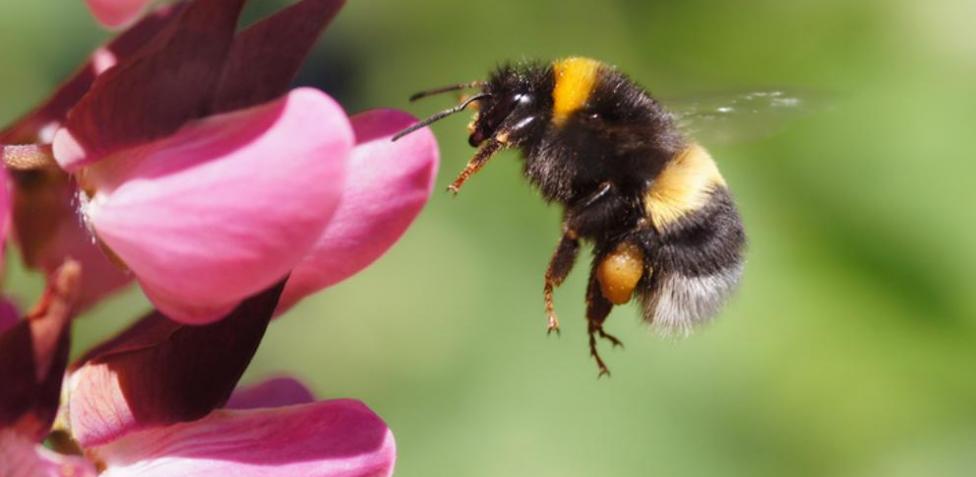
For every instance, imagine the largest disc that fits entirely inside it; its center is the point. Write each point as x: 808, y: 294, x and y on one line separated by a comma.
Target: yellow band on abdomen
x: 683, y: 186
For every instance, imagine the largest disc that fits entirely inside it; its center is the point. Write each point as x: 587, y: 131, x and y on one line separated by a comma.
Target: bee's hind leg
x: 597, y: 310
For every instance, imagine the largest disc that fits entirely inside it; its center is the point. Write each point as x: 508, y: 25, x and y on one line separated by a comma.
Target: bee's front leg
x: 578, y: 214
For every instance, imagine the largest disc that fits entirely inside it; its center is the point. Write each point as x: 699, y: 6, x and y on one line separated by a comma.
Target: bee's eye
x: 594, y: 116
x: 522, y: 98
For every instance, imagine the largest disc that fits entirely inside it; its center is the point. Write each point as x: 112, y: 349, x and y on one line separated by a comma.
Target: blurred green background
x: 849, y: 350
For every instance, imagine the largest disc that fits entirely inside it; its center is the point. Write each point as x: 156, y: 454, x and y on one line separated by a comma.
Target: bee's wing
x: 744, y: 116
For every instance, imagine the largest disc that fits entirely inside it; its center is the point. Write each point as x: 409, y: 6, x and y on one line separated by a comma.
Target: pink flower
x: 210, y: 181
x: 151, y: 402
x: 228, y: 197
x: 201, y: 217
x: 338, y: 438
x: 46, y: 223
x: 115, y: 13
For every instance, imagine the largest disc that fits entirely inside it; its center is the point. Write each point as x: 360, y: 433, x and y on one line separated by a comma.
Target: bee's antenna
x: 446, y: 89
x: 440, y: 115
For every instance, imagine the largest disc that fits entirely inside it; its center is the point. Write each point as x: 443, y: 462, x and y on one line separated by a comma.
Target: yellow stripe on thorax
x: 575, y: 78
x: 683, y: 186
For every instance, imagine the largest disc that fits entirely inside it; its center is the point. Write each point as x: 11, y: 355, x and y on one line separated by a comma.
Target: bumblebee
x: 652, y: 202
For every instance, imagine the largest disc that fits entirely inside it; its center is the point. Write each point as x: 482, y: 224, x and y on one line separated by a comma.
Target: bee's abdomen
x: 703, y: 242
x: 696, y: 244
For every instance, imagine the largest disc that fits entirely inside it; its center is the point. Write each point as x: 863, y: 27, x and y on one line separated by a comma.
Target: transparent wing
x: 742, y: 117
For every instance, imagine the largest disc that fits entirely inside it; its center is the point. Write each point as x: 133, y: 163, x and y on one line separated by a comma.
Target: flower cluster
x: 179, y: 157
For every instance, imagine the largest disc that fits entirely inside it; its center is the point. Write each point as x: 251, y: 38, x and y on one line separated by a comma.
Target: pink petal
x: 152, y: 94
x: 225, y: 207
x: 45, y: 222
x: 39, y: 125
x: 266, y: 56
x: 387, y: 183
x: 115, y: 13
x: 33, y: 356
x: 160, y: 372
x: 274, y: 392
x: 21, y: 457
x: 341, y: 438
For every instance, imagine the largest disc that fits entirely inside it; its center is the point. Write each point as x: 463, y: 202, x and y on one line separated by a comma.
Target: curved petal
x: 116, y: 13
x: 45, y: 222
x: 225, y: 207
x: 20, y: 457
x: 274, y: 392
x: 150, y: 96
x: 340, y: 438
x: 33, y: 356
x: 387, y: 184
x: 40, y: 124
x: 265, y: 57
x: 159, y: 372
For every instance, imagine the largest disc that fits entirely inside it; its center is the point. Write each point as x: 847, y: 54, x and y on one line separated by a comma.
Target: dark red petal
x: 266, y: 56
x: 51, y: 113
x: 161, y: 372
x: 9, y: 314
x: 150, y: 96
x: 47, y: 230
x: 5, y: 220
x: 33, y: 355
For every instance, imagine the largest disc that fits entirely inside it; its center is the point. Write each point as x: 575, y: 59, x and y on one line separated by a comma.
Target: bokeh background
x: 849, y: 350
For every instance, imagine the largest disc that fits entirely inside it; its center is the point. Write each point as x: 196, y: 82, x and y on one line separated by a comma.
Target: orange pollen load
x: 619, y: 273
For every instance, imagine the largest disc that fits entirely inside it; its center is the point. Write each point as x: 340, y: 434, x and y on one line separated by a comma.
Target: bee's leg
x: 559, y: 266
x: 598, y: 194
x: 611, y: 338
x: 508, y: 134
x: 565, y: 255
x: 476, y: 163
x: 588, y: 210
x: 597, y: 309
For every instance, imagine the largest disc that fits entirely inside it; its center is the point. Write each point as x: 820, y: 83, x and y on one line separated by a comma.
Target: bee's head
x: 510, y: 104
x: 518, y: 97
